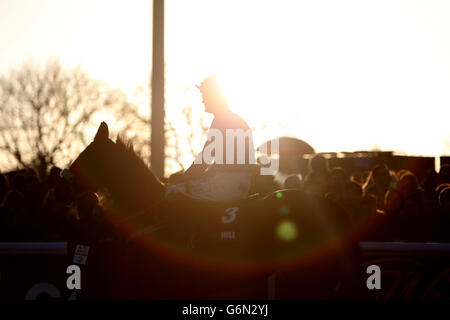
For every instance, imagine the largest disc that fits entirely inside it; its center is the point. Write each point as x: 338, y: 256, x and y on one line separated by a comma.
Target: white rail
x: 33, y: 248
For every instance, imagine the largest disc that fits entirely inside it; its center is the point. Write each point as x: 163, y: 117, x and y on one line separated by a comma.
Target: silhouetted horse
x: 286, y: 245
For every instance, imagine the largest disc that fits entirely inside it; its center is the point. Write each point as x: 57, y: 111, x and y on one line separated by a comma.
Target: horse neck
x: 136, y: 190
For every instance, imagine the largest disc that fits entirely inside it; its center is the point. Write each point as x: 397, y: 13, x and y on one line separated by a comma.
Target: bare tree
x: 45, y: 113
x: 135, y: 121
x: 182, y: 144
x: 179, y: 144
x: 183, y: 132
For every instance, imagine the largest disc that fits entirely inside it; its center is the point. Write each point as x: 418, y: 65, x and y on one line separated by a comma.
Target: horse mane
x: 126, y: 147
x: 132, y: 157
x: 138, y: 186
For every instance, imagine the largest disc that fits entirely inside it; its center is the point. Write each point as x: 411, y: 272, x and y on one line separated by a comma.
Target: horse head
x: 114, y: 166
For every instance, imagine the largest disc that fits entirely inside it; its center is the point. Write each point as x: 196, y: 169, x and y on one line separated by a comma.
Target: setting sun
x: 344, y: 76
x: 339, y: 80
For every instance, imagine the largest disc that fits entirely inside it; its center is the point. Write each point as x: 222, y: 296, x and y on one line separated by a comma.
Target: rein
x: 152, y: 227
x: 147, y: 210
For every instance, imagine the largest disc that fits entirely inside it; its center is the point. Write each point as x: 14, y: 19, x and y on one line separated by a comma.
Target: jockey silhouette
x: 228, y: 176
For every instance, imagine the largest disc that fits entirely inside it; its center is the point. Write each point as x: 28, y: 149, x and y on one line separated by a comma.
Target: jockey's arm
x: 195, y: 171
x: 197, y: 168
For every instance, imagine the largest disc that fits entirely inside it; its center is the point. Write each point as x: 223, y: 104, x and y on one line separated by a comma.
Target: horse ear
x: 102, y: 132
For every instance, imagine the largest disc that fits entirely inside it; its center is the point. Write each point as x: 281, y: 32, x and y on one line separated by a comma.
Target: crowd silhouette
x: 48, y: 209
x: 398, y: 207
x: 380, y: 205
x: 395, y: 204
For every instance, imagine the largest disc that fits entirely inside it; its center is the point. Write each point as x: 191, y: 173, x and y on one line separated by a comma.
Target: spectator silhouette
x: 418, y: 207
x: 14, y: 217
x: 90, y: 228
x: 394, y: 207
x: 57, y: 212
x: 316, y: 181
x: 54, y: 177
x: 293, y: 181
x: 378, y: 183
x: 429, y: 182
x: 442, y: 215
x: 336, y: 183
x: 3, y: 187
x: 371, y: 221
x: 444, y: 174
x: 352, y: 199
x: 437, y: 191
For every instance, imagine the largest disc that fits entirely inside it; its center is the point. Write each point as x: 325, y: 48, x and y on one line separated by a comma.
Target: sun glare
x: 341, y: 75
x: 339, y: 80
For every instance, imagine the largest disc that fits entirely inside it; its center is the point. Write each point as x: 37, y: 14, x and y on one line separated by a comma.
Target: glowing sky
x: 342, y: 75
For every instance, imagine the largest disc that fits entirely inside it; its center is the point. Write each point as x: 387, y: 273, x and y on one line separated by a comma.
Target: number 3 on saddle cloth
x: 222, y: 187
x: 213, y: 208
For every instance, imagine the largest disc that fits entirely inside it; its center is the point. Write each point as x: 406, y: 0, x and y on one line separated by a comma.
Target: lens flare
x: 284, y: 210
x: 287, y: 231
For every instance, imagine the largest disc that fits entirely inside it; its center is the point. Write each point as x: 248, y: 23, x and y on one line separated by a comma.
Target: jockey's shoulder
x: 230, y: 121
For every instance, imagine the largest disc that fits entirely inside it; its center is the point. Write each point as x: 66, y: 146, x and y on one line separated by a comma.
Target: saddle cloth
x: 222, y: 187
